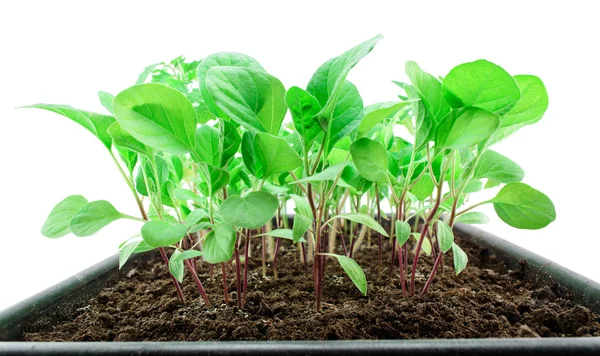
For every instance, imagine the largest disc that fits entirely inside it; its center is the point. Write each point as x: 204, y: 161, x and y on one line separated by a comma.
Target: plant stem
x: 163, y: 254
x: 432, y: 275
x: 401, y: 265
x: 379, y: 242
x: 225, y: 289
x: 192, y: 270
x: 238, y: 281
x: 246, y: 250
x: 275, y: 257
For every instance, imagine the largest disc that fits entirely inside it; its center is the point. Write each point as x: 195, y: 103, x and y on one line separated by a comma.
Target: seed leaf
x: 466, y: 127
x: 498, y: 167
x: 219, y: 244
x: 57, y: 223
x: 353, y: 270
x: 460, y: 259
x: 158, y: 116
x: 92, y: 217
x: 251, y: 211
x: 445, y: 236
x: 523, y: 207
x: 275, y: 155
x: 363, y: 219
x: 370, y: 158
x: 159, y: 233
x: 402, y: 232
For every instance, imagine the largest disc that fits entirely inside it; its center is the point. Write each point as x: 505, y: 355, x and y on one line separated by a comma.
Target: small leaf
x: 363, y: 219
x: 466, y: 127
x: 498, y: 167
x: 176, y: 266
x: 445, y: 236
x: 376, y: 113
x: 402, y: 232
x: 159, y: 233
x: 301, y: 226
x: 282, y: 233
x: 219, y: 244
x: 370, y: 158
x: 195, y: 217
x: 208, y: 144
x: 275, y: 155
x: 425, y: 246
x: 304, y: 108
x: 106, y: 100
x: 460, y: 259
x: 328, y: 174
x: 353, y: 270
x: 57, y: 223
x: 130, y: 247
x: 92, y: 217
x: 251, y: 211
x: 423, y: 187
x: 523, y: 207
x: 472, y: 217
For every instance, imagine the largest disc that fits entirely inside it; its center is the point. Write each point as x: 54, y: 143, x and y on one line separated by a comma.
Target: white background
x: 63, y: 53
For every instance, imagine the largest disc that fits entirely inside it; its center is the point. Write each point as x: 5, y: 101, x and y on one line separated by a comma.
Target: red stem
x: 304, y: 258
x: 238, y: 281
x: 433, y: 272
x: 191, y: 268
x: 225, y: 289
x: 402, y: 282
x: 275, y: 257
x: 247, y: 248
x: 173, y: 279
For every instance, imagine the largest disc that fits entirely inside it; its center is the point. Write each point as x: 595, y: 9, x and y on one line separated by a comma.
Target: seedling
x: 210, y: 159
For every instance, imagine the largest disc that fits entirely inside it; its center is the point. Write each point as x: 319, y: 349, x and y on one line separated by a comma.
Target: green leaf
x: 186, y: 255
x: 460, y: 259
x: 215, y: 179
x: 429, y: 90
x: 402, y: 232
x: 482, y: 84
x: 302, y: 206
x: 523, y: 207
x: 231, y: 142
x: 147, y: 71
x: 425, y: 122
x: 527, y: 111
x: 219, y: 244
x: 159, y: 233
x: 425, y: 246
x: 370, y: 158
x: 498, y: 167
x: 466, y: 127
x: 128, y: 157
x: 203, y: 114
x: 328, y: 174
x: 304, y: 107
x: 275, y: 155
x: 222, y: 59
x: 92, y: 217
x: 176, y: 266
x: 282, y: 233
x: 472, y: 217
x: 423, y: 187
x: 363, y: 219
x: 195, y: 217
x: 376, y: 113
x: 132, y: 246
x: 95, y: 123
x: 445, y: 236
x: 329, y: 80
x: 353, y: 270
x: 208, y: 144
x: 250, y: 97
x: 106, y: 100
x: 474, y: 186
x: 57, y: 223
x: 301, y: 225
x: 158, y: 116
x: 123, y: 139
x: 491, y: 183
x: 354, y: 180
x: 251, y: 211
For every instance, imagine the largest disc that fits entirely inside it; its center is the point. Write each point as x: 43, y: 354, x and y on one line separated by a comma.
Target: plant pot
x: 76, y: 291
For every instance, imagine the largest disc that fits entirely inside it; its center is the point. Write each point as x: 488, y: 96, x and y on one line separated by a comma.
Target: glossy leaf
x: 328, y: 174
x: 481, y: 84
x: 57, y: 223
x: 472, y: 217
x: 429, y: 90
x: 353, y: 270
x: 498, y: 167
x: 92, y: 217
x: 370, y: 158
x: 275, y: 155
x: 219, y: 244
x: 251, y: 211
x: 460, y: 259
x: 523, y: 207
x: 363, y: 219
x: 304, y: 107
x: 403, y: 230
x: 159, y: 233
x: 158, y: 116
x: 208, y: 145
x: 376, y: 113
x: 445, y: 236
x: 466, y: 127
x: 123, y: 139
x: 231, y: 142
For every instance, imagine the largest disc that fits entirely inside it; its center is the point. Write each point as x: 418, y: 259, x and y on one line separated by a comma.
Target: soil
x: 486, y: 300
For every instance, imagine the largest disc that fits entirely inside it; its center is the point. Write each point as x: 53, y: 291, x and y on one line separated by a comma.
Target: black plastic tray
x: 75, y: 291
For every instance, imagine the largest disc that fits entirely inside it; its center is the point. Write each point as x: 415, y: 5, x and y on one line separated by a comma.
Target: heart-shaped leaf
x: 251, y: 211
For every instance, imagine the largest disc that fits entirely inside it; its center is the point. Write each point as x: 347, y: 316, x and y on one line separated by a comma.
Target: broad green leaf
x: 370, y: 158
x: 491, y: 183
x: 92, y: 217
x: 159, y: 233
x: 352, y: 178
x: 132, y: 246
x: 301, y: 225
x: 481, y: 84
x: 176, y: 266
x: 186, y: 194
x: 219, y: 244
x: 128, y: 157
x: 302, y: 206
x: 222, y: 59
x: 208, y: 145
x: 106, y: 100
x: 402, y: 232
x: 523, y: 207
x: 249, y: 155
x: 203, y: 114
x: 215, y: 179
x: 460, y: 259
x: 498, y: 167
x: 250, y: 97
x: 57, y: 223
x: 466, y: 127
x: 328, y: 174
x: 423, y: 187
x: 251, y: 211
x: 472, y: 217
x: 474, y: 186
x: 304, y: 107
x: 376, y: 113
x: 231, y: 142
x: 429, y: 90
x: 157, y: 116
x: 162, y: 167
x: 95, y: 123
x: 445, y: 236
x: 123, y: 139
x: 275, y: 155
x: 195, y: 217
x: 328, y: 81
x: 282, y: 233
x: 527, y: 111
x: 353, y: 270
x: 363, y: 219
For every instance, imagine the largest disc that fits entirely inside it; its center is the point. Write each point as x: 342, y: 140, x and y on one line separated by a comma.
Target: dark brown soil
x: 486, y: 300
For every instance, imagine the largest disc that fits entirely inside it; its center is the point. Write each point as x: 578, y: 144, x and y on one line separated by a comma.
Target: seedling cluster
x: 214, y: 165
